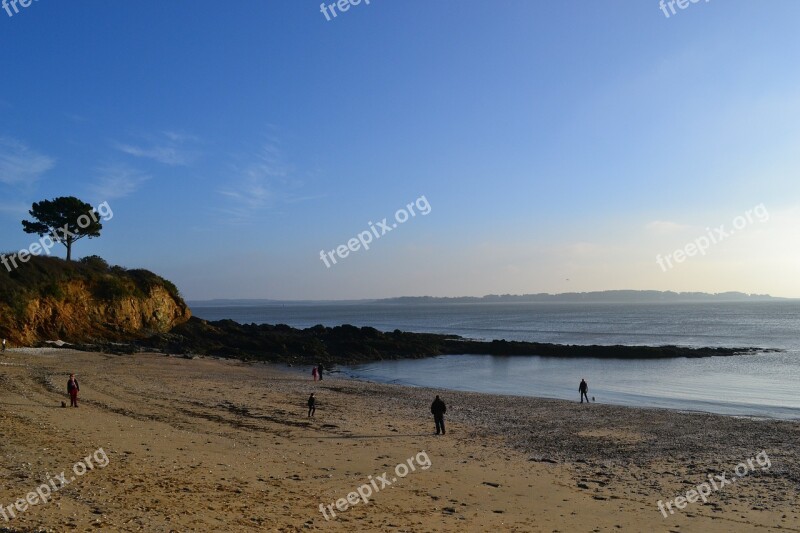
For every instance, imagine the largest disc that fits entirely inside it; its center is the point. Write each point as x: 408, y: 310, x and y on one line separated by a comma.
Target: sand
x: 211, y: 445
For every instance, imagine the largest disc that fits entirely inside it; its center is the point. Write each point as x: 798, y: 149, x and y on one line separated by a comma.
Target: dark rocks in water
x: 349, y: 344
x: 501, y: 347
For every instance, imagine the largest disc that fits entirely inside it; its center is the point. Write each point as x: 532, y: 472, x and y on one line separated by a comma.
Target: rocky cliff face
x: 84, y: 303
x: 81, y: 317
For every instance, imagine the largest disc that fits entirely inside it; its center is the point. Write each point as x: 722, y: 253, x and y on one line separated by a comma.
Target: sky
x: 560, y: 146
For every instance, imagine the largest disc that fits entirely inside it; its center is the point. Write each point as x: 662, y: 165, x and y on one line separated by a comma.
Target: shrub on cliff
x: 50, y: 281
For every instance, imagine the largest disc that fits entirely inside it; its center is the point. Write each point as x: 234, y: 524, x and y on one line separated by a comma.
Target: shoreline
x: 296, y: 372
x: 208, y: 444
x: 409, y: 375
x: 294, y: 369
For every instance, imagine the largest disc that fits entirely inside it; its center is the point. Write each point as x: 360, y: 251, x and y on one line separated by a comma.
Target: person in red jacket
x: 72, y: 390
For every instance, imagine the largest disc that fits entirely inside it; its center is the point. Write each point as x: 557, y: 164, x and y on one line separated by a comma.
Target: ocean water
x: 763, y: 384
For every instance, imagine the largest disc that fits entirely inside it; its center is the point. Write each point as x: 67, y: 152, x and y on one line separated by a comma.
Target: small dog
x: 63, y: 403
x: 592, y: 399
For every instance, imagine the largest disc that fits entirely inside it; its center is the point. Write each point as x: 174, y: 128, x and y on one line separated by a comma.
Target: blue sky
x: 561, y: 146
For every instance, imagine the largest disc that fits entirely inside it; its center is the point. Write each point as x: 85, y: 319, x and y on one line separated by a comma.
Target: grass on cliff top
x: 43, y: 277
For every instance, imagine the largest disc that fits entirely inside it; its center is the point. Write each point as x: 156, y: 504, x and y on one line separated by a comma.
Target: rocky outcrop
x: 348, y: 344
x: 81, y: 317
x: 84, y: 303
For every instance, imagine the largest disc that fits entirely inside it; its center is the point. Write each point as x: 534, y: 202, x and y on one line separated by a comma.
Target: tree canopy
x: 63, y: 220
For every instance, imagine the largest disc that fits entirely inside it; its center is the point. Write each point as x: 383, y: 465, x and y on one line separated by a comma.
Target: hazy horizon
x: 533, y: 147
x: 710, y: 297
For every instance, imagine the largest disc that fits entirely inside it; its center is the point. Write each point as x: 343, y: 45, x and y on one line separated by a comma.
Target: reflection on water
x: 762, y: 324
x: 759, y: 385
x: 751, y: 385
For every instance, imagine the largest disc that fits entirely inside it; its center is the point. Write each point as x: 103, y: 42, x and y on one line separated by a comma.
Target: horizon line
x: 743, y: 295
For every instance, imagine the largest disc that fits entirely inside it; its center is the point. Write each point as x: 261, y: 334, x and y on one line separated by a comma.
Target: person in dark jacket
x: 319, y: 371
x: 438, y: 408
x: 312, y: 405
x: 72, y: 389
x: 583, y: 388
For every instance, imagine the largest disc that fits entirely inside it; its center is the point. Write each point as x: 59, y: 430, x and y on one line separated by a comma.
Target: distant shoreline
x: 598, y: 297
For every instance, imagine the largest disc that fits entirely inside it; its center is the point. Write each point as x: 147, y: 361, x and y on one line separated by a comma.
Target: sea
x: 764, y: 384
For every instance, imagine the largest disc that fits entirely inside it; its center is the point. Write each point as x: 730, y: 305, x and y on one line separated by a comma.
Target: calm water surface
x: 764, y: 384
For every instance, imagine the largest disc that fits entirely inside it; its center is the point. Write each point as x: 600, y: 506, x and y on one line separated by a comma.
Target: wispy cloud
x: 21, y: 165
x: 250, y: 195
x: 169, y: 148
x: 117, y: 181
x: 180, y: 136
x: 263, y: 183
x: 163, y: 154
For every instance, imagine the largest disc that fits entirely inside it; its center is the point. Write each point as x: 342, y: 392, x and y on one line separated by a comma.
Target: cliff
x: 49, y: 299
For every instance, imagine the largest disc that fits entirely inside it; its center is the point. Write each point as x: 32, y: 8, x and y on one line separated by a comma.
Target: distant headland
x: 610, y: 296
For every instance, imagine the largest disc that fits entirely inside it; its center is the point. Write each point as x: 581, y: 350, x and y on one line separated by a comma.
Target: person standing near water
x: 583, y: 388
x: 312, y: 405
x: 72, y: 389
x: 438, y: 408
x: 319, y: 371
x: 314, y: 373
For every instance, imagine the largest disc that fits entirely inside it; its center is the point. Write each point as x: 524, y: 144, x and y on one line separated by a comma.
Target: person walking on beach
x: 438, y: 408
x: 583, y: 388
x: 319, y: 371
x: 312, y: 405
x: 72, y: 390
x: 314, y: 373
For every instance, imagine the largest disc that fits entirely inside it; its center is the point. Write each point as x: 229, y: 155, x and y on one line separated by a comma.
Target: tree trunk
x: 69, y: 250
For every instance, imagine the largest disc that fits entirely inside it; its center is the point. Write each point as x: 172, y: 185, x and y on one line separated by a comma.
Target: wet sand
x: 211, y: 445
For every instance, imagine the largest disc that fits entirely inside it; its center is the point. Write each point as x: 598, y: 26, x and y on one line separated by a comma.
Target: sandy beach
x: 213, y: 445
